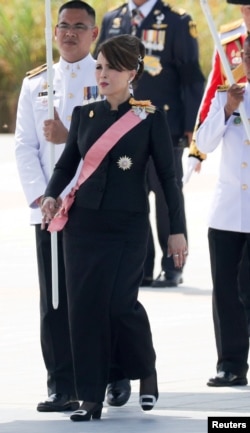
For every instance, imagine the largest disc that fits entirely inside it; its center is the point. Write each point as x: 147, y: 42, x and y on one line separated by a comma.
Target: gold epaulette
x: 36, y: 71
x: 123, y: 8
x: 232, y: 38
x: 224, y: 28
x: 146, y: 105
x: 179, y: 11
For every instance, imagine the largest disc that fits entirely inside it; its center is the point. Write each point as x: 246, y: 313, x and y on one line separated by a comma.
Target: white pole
x: 224, y: 61
x: 49, y: 59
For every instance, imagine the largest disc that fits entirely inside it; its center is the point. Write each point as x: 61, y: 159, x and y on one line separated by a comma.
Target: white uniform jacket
x: 230, y: 208
x: 31, y: 148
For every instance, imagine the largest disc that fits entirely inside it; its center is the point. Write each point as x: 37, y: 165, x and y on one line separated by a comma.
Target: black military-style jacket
x: 173, y: 78
x: 119, y: 183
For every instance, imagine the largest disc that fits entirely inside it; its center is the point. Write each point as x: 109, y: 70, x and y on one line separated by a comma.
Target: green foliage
x: 22, y: 40
x: 22, y: 47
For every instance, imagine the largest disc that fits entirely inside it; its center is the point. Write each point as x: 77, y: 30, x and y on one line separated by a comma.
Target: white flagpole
x: 49, y: 59
x: 224, y: 61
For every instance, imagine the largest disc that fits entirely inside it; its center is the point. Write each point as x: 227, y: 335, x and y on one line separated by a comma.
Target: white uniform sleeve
x: 211, y: 131
x: 27, y: 147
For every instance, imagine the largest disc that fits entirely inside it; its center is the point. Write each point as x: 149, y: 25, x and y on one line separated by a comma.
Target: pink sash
x: 92, y: 160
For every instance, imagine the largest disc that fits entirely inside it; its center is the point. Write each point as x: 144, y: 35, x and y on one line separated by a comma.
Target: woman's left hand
x: 49, y: 208
x: 177, y: 247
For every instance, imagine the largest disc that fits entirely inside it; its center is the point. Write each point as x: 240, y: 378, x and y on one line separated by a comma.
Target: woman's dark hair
x: 124, y: 52
x: 78, y: 4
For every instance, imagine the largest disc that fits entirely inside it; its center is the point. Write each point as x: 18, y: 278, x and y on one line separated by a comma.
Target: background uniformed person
x: 229, y: 226
x: 74, y: 72
x: 232, y: 36
x: 173, y: 80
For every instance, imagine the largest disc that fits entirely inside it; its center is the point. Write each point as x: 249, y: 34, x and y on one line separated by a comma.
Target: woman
x: 107, y: 230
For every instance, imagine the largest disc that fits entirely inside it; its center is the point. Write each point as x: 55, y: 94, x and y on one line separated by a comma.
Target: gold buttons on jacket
x: 244, y: 165
x: 247, y: 142
x: 244, y: 186
x: 70, y: 95
x: 69, y: 118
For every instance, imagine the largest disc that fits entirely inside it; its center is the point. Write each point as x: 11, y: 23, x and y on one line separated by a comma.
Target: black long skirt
x: 104, y: 256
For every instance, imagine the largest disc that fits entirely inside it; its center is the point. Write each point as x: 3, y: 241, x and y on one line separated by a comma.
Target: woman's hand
x: 49, y: 207
x: 177, y: 247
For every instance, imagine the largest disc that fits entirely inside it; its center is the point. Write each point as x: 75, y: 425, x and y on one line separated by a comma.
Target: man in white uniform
x: 75, y: 71
x: 229, y: 225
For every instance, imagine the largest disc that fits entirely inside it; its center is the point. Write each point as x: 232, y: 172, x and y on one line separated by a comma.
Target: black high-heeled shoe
x: 85, y: 415
x: 148, y: 392
x: 147, y: 401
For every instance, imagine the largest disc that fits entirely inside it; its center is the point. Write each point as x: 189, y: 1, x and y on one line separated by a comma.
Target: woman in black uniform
x: 108, y: 225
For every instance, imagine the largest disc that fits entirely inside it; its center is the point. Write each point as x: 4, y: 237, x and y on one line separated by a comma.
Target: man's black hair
x: 78, y: 4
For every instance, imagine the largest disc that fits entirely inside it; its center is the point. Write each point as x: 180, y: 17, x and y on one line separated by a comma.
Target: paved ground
x: 180, y: 319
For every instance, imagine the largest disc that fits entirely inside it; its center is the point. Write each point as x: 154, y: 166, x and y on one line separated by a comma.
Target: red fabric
x: 216, y: 79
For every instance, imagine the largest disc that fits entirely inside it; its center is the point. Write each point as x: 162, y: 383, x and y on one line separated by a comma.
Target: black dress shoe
x: 118, y: 392
x: 168, y: 279
x: 58, y: 403
x: 225, y: 378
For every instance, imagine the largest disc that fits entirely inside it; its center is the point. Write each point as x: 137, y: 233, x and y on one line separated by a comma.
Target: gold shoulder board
x: 224, y: 28
x: 121, y: 8
x: 179, y: 11
x: 36, y: 71
x: 231, y: 38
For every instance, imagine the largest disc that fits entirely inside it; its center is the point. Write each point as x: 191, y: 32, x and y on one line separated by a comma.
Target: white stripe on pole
x: 49, y: 59
x: 224, y: 61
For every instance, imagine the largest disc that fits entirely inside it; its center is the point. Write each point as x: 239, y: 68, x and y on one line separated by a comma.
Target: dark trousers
x: 54, y: 324
x: 162, y: 216
x: 230, y: 321
x: 244, y: 283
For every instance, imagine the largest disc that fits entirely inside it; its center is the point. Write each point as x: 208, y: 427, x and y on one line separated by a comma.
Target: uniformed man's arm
x: 214, y: 80
x: 187, y: 59
x: 211, y: 131
x: 27, y: 148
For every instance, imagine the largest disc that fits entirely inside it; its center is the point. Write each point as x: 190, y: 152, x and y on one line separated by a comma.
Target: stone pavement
x: 180, y: 318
